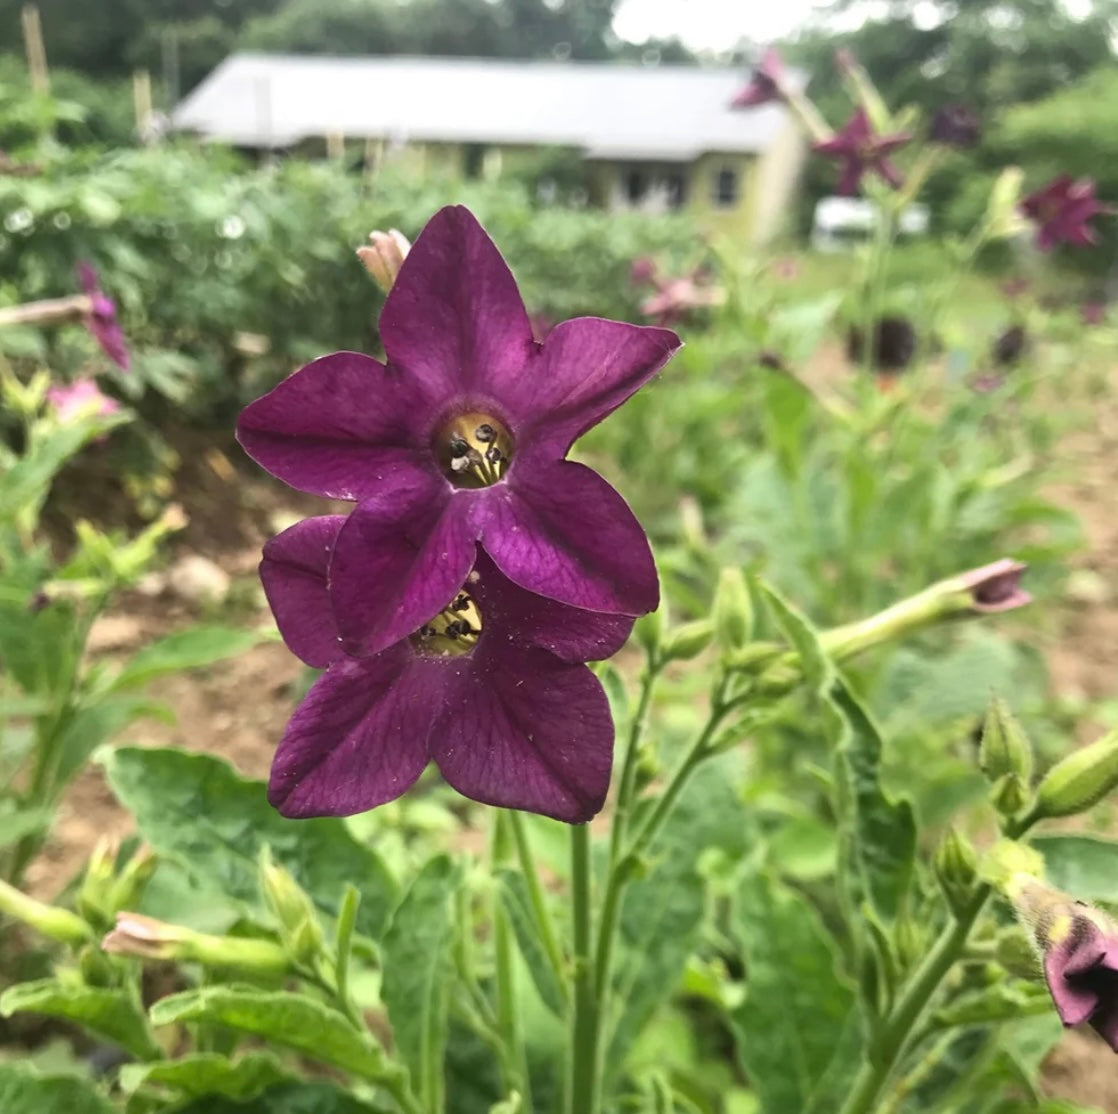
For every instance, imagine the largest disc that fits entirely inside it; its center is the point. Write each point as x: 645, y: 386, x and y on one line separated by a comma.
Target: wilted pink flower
x: 858, y: 150
x: 997, y: 586
x: 676, y: 298
x: 1061, y: 211
x: 102, y: 322
x: 766, y: 83
x: 81, y: 397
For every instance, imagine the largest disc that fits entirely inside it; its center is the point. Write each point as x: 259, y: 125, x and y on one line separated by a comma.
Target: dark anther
x: 494, y: 455
x: 458, y: 447
x: 485, y: 433
x: 461, y: 603
x: 464, y: 627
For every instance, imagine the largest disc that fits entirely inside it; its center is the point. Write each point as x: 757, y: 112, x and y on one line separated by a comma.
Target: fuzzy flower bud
x: 649, y: 629
x: 1005, y: 748
x: 689, y: 640
x: 100, y: 872
x: 386, y: 256
x: 733, y: 611
x: 956, y: 867
x: 1080, y: 780
x: 296, y: 915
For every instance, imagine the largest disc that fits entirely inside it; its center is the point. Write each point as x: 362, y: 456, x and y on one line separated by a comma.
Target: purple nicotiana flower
x: 997, y: 586
x: 491, y: 686
x: 955, y: 125
x: 80, y: 397
x: 459, y: 438
x: 858, y: 149
x: 1061, y: 211
x: 766, y: 83
x: 102, y: 322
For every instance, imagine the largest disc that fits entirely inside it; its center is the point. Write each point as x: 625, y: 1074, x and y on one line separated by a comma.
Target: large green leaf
x: 797, y: 1012
x: 287, y: 1098
x: 107, y: 1013
x: 1085, y: 866
x: 879, y: 834
x: 23, y: 1092
x: 188, y: 649
x: 290, y: 1019
x: 207, y: 1073
x: 197, y: 810
x: 416, y: 956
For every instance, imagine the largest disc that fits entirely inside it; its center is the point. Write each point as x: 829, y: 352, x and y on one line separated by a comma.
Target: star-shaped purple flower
x: 858, y: 149
x: 493, y: 689
x: 459, y: 438
x: 1061, y: 211
x: 766, y: 83
x: 102, y: 322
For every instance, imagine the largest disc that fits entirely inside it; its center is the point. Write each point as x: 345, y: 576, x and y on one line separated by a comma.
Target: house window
x: 675, y: 190
x: 726, y: 188
x: 636, y: 186
x: 473, y: 159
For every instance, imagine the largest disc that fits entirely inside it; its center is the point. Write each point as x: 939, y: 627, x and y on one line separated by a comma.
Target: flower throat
x: 454, y: 631
x: 474, y: 450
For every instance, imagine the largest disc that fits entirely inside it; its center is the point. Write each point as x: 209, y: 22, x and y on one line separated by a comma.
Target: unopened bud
x: 148, y: 938
x: 1005, y: 748
x: 956, y: 867
x: 296, y: 915
x: 649, y: 629
x: 1007, y: 860
x: 1079, y: 781
x: 1009, y: 795
x: 733, y: 611
x: 385, y: 257
x: 58, y: 924
x: 1003, y: 215
x: 100, y: 873
x: 649, y: 766
x: 687, y: 641
x: 130, y: 884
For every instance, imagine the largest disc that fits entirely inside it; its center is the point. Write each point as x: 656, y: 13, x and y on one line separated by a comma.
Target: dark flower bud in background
x: 894, y: 344
x: 1010, y: 346
x: 766, y: 83
x: 101, y: 320
x: 955, y: 125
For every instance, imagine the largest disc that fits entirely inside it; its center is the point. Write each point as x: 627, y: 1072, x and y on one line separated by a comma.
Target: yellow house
x: 653, y: 138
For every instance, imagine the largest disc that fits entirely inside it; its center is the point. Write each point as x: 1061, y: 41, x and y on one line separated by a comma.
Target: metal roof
x: 655, y: 112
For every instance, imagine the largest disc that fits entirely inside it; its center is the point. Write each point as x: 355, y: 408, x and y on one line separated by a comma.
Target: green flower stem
x: 627, y: 786
x: 545, y: 924
x: 885, y: 232
x: 582, y: 1085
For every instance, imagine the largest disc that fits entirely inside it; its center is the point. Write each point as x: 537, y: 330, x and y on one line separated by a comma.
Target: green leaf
x: 797, y: 1009
x: 90, y: 725
x: 818, y: 670
x: 207, y: 1073
x: 290, y: 1019
x: 23, y: 1092
x: 288, y: 1098
x: 518, y: 904
x: 416, y: 957
x: 879, y: 834
x: 196, y: 810
x: 1085, y: 866
x: 111, y: 1014
x: 188, y: 649
x: 15, y: 823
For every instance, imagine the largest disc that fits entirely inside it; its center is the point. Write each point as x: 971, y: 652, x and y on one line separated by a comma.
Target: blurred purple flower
x: 997, y: 586
x: 1061, y: 210
x: 642, y: 270
x: 460, y: 438
x: 1094, y: 312
x: 859, y: 150
x: 1010, y: 346
x: 493, y: 689
x: 1015, y: 287
x: 766, y: 83
x: 955, y: 125
x: 81, y: 397
x: 676, y: 298
x: 102, y: 322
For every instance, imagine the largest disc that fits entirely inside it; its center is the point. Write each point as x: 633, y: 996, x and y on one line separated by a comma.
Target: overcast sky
x: 710, y: 24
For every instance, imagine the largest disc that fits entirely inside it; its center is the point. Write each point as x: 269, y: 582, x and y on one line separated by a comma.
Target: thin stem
x: 582, y: 1086
x: 627, y: 786
x: 541, y: 912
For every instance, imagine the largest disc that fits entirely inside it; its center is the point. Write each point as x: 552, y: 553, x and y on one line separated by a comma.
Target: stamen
x: 474, y: 449
x: 454, y: 631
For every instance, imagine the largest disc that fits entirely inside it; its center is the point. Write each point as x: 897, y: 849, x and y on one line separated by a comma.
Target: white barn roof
x: 609, y: 111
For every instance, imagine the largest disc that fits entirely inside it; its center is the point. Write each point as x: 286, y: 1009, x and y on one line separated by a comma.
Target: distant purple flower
x: 997, y: 586
x: 642, y: 270
x: 859, y: 150
x: 83, y: 396
x: 1061, y: 211
x: 493, y: 689
x: 460, y: 438
x: 102, y: 322
x: 676, y: 298
x: 1015, y: 288
x: 955, y: 125
x: 1094, y: 313
x: 766, y: 83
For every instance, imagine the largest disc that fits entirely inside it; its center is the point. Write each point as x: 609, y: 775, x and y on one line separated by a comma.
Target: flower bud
x: 1009, y: 795
x: 386, y: 256
x: 148, y: 938
x: 687, y: 641
x: 649, y: 629
x: 1079, y: 781
x: 100, y: 872
x: 58, y: 924
x: 130, y: 884
x: 649, y: 767
x: 1006, y: 860
x: 733, y: 611
x: 956, y: 867
x: 1003, y: 217
x: 298, y: 920
x: 1004, y: 748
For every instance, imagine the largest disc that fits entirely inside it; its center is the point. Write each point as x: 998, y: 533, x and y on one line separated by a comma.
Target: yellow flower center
x: 474, y: 450
x: 453, y: 631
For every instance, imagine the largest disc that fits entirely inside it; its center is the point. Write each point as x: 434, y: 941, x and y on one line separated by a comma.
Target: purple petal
x: 522, y: 730
x: 454, y: 319
x: 889, y: 173
x: 851, y: 179
x: 588, y: 367
x: 293, y: 573
x: 398, y: 561
x: 341, y: 427
x: 87, y: 276
x: 561, y: 531
x: 358, y: 739
x: 1075, y: 1001
x: 570, y: 633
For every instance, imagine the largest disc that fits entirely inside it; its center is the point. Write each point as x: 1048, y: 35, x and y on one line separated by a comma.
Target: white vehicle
x: 840, y: 222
